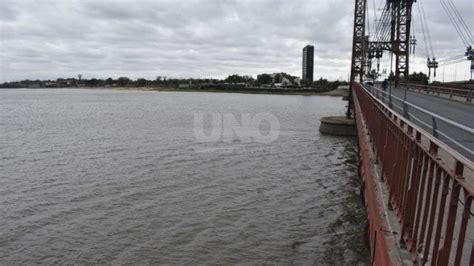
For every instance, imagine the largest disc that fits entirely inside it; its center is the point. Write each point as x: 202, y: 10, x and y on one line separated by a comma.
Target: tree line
x: 162, y: 81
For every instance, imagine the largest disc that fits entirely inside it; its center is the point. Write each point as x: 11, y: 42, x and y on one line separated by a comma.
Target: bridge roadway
x: 458, y: 112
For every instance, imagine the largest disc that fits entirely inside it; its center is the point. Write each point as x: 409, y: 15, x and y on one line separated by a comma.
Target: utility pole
x: 470, y: 56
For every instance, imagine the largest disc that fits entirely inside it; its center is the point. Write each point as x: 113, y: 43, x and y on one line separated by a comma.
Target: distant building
x: 184, y: 86
x: 280, y: 79
x: 308, y: 63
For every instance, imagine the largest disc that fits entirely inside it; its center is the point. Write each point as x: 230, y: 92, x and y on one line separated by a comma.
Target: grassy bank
x: 306, y: 92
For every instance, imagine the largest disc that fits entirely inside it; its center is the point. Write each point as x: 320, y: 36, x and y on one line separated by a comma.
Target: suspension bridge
x: 416, y: 139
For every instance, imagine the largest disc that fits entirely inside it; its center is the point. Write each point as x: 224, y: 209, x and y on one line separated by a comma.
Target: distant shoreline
x: 305, y: 92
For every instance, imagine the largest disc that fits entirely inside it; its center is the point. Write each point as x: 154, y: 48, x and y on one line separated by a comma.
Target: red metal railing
x: 430, y: 186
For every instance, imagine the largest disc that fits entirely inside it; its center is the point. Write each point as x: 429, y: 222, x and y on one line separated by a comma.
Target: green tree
x: 321, y: 84
x: 141, y: 82
x: 278, y: 78
x: 264, y: 79
x: 391, y: 76
x: 235, y: 78
x: 92, y: 82
x: 123, y: 81
x: 418, y: 77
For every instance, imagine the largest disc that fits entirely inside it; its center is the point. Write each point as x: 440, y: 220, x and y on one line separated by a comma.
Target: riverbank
x: 341, y: 91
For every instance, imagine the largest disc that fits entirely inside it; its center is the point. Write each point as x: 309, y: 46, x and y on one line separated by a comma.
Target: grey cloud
x: 193, y: 38
x: 8, y: 13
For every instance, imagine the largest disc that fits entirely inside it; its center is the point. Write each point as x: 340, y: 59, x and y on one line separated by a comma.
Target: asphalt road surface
x: 458, y: 112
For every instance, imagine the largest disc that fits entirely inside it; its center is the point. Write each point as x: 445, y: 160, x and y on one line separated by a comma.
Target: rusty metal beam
x: 357, y: 66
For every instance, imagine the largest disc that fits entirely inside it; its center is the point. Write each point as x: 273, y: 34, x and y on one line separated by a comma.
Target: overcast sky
x: 192, y: 38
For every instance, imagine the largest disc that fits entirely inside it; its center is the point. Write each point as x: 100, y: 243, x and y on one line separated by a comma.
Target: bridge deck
x: 458, y: 112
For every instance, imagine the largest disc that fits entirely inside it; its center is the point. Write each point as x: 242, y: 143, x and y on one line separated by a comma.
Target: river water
x: 107, y: 176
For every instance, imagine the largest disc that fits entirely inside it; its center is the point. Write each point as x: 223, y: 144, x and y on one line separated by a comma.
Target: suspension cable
x: 455, y: 23
x: 367, y: 19
x: 428, y: 35
x: 463, y: 23
x: 423, y: 30
x: 375, y: 16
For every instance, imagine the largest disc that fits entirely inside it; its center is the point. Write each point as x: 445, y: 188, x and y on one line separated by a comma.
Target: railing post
x: 444, y: 252
x: 390, y: 96
x: 383, y: 97
x: 405, y: 111
x: 463, y: 228
x: 434, y: 127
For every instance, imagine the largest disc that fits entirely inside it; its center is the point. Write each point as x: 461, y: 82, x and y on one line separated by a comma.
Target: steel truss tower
x: 358, y: 53
x: 363, y: 50
x: 401, y: 10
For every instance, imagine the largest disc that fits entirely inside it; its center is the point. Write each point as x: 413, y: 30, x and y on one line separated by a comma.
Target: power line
x: 453, y: 62
x: 451, y: 58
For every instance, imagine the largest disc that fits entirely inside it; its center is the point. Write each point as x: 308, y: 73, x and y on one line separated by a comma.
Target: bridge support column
x: 338, y: 125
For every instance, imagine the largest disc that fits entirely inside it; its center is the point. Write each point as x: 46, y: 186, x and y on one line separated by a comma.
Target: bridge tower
x: 358, y: 55
x: 395, y: 39
x: 400, y: 37
x: 393, y: 36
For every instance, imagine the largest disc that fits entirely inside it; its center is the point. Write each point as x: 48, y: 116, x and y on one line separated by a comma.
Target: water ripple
x: 100, y: 177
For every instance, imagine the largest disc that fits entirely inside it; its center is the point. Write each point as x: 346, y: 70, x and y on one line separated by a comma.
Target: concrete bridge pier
x: 338, y: 126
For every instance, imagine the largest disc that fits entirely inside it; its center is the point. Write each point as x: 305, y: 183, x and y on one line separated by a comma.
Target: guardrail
x: 463, y: 93
x: 429, y: 121
x: 430, y: 186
